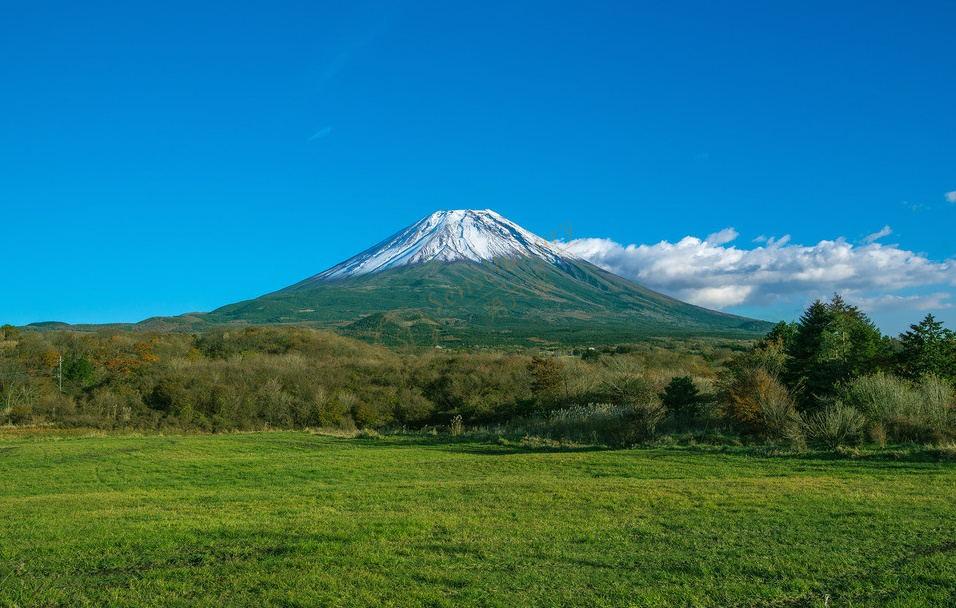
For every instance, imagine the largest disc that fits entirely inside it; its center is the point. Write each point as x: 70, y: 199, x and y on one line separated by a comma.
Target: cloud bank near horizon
x: 715, y: 273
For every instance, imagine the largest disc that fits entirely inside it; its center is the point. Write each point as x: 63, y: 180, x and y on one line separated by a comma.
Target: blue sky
x: 182, y: 156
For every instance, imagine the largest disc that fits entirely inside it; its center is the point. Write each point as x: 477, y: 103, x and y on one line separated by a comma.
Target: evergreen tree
x: 782, y: 333
x: 833, y: 342
x: 927, y: 348
x: 805, y: 347
x: 681, y: 397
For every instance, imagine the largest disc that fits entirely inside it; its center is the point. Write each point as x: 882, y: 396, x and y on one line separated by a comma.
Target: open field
x: 294, y: 519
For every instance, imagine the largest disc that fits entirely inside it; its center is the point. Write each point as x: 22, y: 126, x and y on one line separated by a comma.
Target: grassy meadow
x: 298, y: 519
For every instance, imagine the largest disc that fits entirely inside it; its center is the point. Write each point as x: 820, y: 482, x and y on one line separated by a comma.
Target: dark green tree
x: 805, y: 347
x: 783, y: 333
x: 927, y: 348
x: 681, y: 397
x: 833, y: 342
x: 78, y: 372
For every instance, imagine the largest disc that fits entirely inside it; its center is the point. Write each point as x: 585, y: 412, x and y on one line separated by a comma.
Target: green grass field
x: 293, y: 519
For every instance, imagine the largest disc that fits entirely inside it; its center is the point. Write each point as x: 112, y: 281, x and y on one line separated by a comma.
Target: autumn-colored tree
x: 546, y: 377
x: 144, y: 351
x: 50, y: 358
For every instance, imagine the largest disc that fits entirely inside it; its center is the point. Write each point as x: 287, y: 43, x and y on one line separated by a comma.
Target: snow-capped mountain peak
x: 449, y: 236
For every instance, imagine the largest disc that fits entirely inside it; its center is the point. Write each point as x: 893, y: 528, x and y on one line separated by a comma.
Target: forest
x: 831, y: 379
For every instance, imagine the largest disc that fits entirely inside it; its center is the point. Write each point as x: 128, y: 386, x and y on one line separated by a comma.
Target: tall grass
x: 836, y: 425
x: 921, y: 411
x: 604, y: 423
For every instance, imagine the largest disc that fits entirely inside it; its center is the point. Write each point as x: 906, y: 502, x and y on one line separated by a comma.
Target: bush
x: 547, y: 377
x: 836, y: 425
x: 882, y: 397
x: 624, y: 384
x: 779, y: 417
x: 877, y: 433
x: 937, y: 403
x: 748, y: 394
x: 607, y: 423
x: 641, y: 420
x: 907, y: 412
x: 20, y: 414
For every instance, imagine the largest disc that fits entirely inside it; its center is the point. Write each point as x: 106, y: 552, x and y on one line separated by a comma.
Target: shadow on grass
x: 479, y: 445
x: 489, y: 445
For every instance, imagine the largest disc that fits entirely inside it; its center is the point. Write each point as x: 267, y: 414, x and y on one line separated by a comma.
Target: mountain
x: 474, y: 277
x: 447, y: 236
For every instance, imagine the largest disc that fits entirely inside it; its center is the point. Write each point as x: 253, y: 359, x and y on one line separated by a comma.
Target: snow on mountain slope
x: 449, y: 236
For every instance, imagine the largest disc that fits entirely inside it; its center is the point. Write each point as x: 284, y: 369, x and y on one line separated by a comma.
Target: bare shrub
x: 877, y: 434
x: 624, y: 383
x: 457, y: 426
x: 906, y: 411
x: 937, y: 403
x: 757, y: 401
x: 607, y: 423
x: 836, y: 425
x: 779, y: 417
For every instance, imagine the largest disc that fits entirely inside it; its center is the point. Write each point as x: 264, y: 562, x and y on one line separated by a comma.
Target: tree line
x: 830, y: 377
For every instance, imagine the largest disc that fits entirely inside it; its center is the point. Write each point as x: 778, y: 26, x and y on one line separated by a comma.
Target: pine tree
x: 681, y: 397
x: 833, y: 342
x: 927, y: 348
x: 782, y: 333
x: 804, y: 350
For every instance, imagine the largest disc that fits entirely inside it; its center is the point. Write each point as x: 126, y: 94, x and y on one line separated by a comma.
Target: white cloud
x: 721, y: 237
x: 951, y: 196
x: 720, y: 297
x: 712, y: 273
x: 872, y: 238
x: 931, y: 301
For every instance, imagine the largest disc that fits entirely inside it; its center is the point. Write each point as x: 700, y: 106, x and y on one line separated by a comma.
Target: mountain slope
x: 446, y: 236
x: 475, y: 277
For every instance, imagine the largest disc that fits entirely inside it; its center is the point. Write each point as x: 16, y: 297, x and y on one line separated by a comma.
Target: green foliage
x: 833, y: 342
x: 904, y: 410
x: 835, y: 363
x: 882, y: 397
x: 505, y: 302
x: 783, y: 334
x: 681, y: 397
x: 257, y: 377
x: 78, y: 372
x: 927, y: 348
x: 600, y: 423
x: 547, y: 378
x: 836, y: 425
